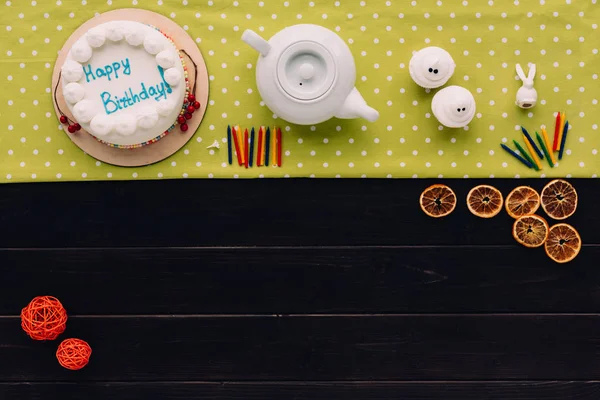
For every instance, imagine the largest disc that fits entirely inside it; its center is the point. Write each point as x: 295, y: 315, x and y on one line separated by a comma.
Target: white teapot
x: 306, y: 75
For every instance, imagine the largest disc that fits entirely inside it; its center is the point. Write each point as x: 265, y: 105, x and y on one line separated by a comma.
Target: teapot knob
x: 307, y: 71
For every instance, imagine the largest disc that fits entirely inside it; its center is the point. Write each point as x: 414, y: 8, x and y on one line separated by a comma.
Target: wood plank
x: 548, y: 390
x: 254, y: 212
x: 434, y: 347
x: 301, y: 280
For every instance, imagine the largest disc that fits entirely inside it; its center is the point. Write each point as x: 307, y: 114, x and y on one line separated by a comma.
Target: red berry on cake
x: 184, y: 127
x: 63, y: 119
x: 191, y: 109
x: 181, y: 119
x: 196, y: 105
x: 77, y: 127
x: 188, y: 115
x: 71, y: 128
x: 191, y: 98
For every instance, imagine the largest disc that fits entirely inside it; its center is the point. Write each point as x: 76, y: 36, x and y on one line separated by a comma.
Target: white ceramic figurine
x: 431, y: 67
x: 454, y: 106
x: 526, y: 95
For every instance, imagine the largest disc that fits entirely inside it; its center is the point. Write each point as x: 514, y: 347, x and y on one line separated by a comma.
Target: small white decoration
x: 153, y: 45
x: 73, y: 92
x: 125, y: 124
x: 172, y: 76
x: 147, y: 118
x: 81, y: 51
x: 164, y: 107
x: 72, y: 71
x: 101, y: 125
x: 115, y: 32
x: 526, y: 95
x: 215, y: 145
x: 83, y: 111
x: 454, y: 106
x: 166, y: 58
x: 431, y: 67
x: 96, y: 37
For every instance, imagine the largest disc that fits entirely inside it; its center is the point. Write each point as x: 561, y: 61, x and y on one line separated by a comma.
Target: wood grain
x: 271, y: 348
x: 527, y: 390
x: 348, y: 280
x: 255, y: 213
x: 338, y: 290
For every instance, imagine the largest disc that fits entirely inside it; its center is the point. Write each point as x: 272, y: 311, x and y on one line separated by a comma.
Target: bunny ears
x: 530, y: 76
x: 526, y: 95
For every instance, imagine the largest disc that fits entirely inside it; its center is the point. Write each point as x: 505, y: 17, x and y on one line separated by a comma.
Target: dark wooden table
x: 293, y: 289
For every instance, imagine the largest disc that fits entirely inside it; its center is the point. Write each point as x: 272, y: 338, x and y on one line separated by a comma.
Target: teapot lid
x: 306, y: 70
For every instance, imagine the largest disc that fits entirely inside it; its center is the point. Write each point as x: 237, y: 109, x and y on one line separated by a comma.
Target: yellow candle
x: 547, y: 142
x: 534, y: 156
x: 240, y: 137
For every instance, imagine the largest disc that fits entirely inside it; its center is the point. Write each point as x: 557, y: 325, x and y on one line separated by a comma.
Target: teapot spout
x: 256, y: 42
x: 356, y: 107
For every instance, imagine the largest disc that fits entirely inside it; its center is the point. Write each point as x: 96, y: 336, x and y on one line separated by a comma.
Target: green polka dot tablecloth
x: 486, y: 39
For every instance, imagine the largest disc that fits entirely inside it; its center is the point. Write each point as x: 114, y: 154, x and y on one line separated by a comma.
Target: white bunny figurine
x: 526, y: 95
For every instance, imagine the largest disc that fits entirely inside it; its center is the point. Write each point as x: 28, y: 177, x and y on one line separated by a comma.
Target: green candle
x: 525, y: 154
x: 544, y: 149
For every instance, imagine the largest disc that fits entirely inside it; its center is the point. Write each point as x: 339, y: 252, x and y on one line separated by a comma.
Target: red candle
x: 556, y: 131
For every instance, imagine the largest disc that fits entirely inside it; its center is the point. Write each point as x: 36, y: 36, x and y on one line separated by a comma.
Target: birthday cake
x: 126, y: 84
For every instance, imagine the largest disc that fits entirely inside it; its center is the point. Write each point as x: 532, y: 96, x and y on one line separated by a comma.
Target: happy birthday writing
x: 113, y: 103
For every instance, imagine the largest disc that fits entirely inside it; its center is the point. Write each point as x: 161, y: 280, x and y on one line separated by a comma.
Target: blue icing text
x: 131, y: 96
x: 107, y: 71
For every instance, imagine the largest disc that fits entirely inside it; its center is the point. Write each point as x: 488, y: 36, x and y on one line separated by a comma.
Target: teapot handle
x: 256, y: 42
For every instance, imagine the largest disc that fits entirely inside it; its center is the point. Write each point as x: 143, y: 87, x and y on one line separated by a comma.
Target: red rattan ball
x: 44, y: 318
x: 73, y: 354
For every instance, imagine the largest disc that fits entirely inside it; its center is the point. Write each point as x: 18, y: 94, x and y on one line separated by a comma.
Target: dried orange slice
x: 438, y: 201
x: 563, y: 243
x: 559, y: 199
x: 484, y: 201
x: 530, y: 230
x: 524, y: 200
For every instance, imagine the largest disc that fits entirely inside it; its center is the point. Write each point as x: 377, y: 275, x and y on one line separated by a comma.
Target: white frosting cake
x: 124, y: 83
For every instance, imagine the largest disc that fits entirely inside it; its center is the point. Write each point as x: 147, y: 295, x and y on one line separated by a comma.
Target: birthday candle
x: 544, y: 149
x: 556, y: 131
x: 251, y: 155
x: 274, y: 146
x: 547, y: 141
x: 563, y: 140
x: 246, y: 148
x: 561, y: 130
x: 532, y: 143
x: 526, y: 155
x: 240, y: 136
x: 259, y: 148
x: 515, y: 155
x: 279, y: 147
x: 229, y: 151
x: 267, y: 146
x: 236, y: 141
x: 532, y: 153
